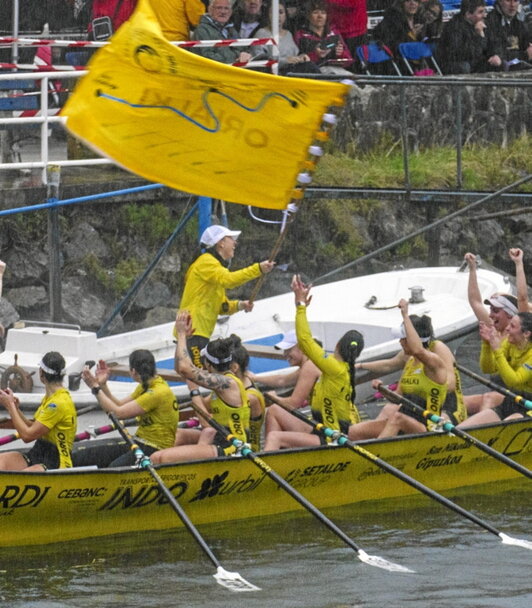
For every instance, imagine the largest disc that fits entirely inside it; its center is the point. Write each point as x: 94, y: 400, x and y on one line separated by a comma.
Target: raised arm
x: 523, y: 304
x: 434, y: 365
x: 473, y: 291
x: 223, y: 385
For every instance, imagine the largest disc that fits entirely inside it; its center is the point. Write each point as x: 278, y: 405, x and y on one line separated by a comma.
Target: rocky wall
x: 494, y: 115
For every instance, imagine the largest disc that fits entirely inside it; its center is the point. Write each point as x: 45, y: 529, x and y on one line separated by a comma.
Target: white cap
x: 503, y: 301
x: 289, y: 340
x: 215, y: 233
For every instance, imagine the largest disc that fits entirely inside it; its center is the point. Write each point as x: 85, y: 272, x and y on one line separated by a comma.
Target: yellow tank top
x: 255, y: 423
x: 414, y: 382
x: 234, y: 419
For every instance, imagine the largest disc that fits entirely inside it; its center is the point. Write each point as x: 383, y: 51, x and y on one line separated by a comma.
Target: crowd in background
x: 315, y: 35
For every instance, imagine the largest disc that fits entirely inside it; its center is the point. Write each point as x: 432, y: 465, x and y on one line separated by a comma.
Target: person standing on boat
x: 511, y: 358
x: 53, y: 427
x: 302, y: 379
x: 503, y: 307
x: 429, y: 378
x: 333, y: 396
x: 206, y: 281
x: 228, y: 402
x: 152, y: 403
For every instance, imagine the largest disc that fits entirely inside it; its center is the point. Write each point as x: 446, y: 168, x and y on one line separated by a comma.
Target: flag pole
x: 304, y: 178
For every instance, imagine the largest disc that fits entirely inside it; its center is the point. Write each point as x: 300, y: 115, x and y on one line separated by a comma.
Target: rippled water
x: 296, y: 561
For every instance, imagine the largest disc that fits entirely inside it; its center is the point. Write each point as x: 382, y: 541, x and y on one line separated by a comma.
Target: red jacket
x: 349, y: 17
x: 118, y: 10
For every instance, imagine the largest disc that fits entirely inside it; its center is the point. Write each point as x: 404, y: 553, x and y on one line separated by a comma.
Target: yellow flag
x: 194, y: 124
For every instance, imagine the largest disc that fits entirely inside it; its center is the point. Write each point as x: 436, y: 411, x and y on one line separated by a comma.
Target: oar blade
x: 518, y: 542
x: 380, y: 562
x: 233, y: 581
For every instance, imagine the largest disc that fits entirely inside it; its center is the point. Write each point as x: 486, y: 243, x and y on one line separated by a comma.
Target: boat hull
x: 41, y: 508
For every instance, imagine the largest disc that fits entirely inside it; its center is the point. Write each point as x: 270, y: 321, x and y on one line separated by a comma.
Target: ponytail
x: 349, y: 347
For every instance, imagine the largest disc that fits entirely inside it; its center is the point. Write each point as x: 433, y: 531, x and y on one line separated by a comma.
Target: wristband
x: 195, y: 392
x: 95, y: 390
x: 300, y: 304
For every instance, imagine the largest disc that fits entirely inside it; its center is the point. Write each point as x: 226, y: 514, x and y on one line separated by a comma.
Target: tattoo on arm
x: 208, y: 380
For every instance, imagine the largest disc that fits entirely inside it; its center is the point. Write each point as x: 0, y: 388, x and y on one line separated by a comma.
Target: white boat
x: 366, y: 303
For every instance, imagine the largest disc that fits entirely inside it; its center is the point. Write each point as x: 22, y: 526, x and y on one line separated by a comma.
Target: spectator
x: 215, y: 25
x: 249, y: 17
x: 178, y: 17
x: 463, y: 46
x: 430, y: 15
x: 399, y: 24
x: 116, y: 12
x: 350, y: 19
x: 508, y: 36
x: 320, y: 42
x: 290, y: 57
x: 295, y: 15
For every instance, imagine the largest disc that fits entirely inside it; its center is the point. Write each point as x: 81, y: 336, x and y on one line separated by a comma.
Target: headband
x: 49, y: 370
x: 400, y: 332
x: 205, y: 353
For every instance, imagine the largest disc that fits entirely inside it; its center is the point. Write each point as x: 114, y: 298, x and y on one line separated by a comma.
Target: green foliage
x: 483, y: 167
x: 151, y: 222
x: 126, y: 272
x: 117, y: 280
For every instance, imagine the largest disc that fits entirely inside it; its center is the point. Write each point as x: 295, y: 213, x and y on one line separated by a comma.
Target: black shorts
x: 449, y: 408
x: 509, y: 406
x: 195, y: 344
x: 43, y: 452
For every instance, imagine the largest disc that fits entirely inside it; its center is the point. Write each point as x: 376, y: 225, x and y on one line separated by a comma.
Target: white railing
x: 47, y: 77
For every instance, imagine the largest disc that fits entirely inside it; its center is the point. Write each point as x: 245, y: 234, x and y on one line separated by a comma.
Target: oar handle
x: 519, y: 399
x: 451, y: 428
x: 9, y: 438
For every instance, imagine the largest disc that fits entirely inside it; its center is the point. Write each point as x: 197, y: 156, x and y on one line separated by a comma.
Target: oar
x: 451, y: 428
x: 519, y: 399
x: 372, y: 560
x: 230, y: 580
x: 343, y: 440
x: 9, y: 438
x: 102, y: 430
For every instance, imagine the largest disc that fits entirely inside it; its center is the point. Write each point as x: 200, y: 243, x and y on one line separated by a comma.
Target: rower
x: 502, y: 307
x: 332, y: 400
x: 53, y: 427
x: 228, y: 402
x: 511, y: 358
x: 429, y: 378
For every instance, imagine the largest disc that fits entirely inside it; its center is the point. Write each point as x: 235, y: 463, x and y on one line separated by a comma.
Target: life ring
x: 17, y: 379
